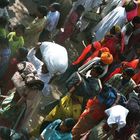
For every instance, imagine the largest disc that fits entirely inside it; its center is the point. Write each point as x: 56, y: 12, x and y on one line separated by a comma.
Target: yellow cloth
x: 66, y: 109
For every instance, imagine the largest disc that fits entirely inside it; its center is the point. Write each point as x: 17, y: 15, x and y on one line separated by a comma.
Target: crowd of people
x: 102, y: 98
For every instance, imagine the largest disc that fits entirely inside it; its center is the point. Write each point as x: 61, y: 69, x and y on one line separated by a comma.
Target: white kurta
x: 38, y: 65
x: 110, y: 6
x: 115, y: 17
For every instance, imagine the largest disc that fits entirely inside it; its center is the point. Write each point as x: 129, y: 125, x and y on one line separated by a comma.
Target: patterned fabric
x: 116, y: 82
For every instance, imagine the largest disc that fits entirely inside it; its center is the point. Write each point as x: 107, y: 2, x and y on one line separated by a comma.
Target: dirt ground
x: 19, y: 12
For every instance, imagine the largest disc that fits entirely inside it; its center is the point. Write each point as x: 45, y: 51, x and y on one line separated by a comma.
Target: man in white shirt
x: 52, y: 19
x: 55, y: 62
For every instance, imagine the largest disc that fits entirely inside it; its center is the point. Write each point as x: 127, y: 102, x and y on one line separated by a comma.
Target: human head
x: 136, y: 22
x: 137, y: 49
x: 4, y: 3
x: 67, y: 125
x: 41, y: 11
x: 80, y: 9
x: 129, y: 5
x: 128, y: 73
x: 106, y: 58
x: 137, y: 88
x: 44, y: 69
x: 115, y: 30
x: 19, y: 29
x: 55, y: 7
x: 96, y: 70
x: 3, y: 43
x: 22, y: 54
x: 5, y: 133
x: 3, y: 21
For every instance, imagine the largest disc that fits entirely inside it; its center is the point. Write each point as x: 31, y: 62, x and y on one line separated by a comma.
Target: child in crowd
x: 16, y: 39
x: 51, y: 22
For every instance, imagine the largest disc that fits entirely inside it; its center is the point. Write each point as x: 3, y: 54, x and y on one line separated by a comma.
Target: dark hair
x: 130, y: 6
x: 69, y: 122
x: 129, y: 71
x: 98, y: 68
x: 23, y: 52
x: 20, y: 26
x: 43, y: 10
x: 137, y: 46
x: 3, y: 21
x: 4, y: 3
x: 56, y: 6
x: 80, y: 8
x: 5, y: 133
x: 4, y: 41
x: 136, y: 19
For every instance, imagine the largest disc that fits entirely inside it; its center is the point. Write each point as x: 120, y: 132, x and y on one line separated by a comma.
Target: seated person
x: 58, y: 130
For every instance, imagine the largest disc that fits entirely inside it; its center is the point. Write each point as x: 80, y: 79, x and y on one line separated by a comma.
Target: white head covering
x: 117, y: 115
x: 55, y: 57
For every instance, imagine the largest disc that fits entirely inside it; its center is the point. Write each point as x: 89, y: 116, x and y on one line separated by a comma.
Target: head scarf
x: 106, y: 58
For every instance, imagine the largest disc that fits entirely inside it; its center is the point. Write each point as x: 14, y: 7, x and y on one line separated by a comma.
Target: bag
x: 108, y: 97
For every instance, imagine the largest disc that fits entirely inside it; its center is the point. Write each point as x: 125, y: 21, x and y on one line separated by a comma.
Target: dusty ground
x: 19, y: 10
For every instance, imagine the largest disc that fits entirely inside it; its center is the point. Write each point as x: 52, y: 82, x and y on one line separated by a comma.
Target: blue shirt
x: 51, y: 132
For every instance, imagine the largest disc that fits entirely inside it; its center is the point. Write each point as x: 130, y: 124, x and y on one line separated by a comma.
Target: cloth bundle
x: 26, y: 77
x: 55, y: 57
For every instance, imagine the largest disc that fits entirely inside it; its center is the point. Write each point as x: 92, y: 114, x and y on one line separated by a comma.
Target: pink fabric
x: 68, y: 28
x: 131, y: 14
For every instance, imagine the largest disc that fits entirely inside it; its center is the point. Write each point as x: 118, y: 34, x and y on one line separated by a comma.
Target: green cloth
x: 16, y: 42
x: 3, y: 32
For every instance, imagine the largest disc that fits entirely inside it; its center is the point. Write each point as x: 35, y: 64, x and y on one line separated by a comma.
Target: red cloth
x: 88, y: 49
x: 12, y: 68
x: 133, y: 64
x: 110, y: 42
x: 136, y: 78
x: 131, y: 14
x: 98, y: 109
x: 68, y: 28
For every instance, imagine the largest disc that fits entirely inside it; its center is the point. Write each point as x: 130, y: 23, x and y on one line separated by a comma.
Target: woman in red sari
x: 114, y: 41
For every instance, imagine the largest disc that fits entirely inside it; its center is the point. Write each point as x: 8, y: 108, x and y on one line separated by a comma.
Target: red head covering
x: 133, y: 64
x: 97, y: 45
